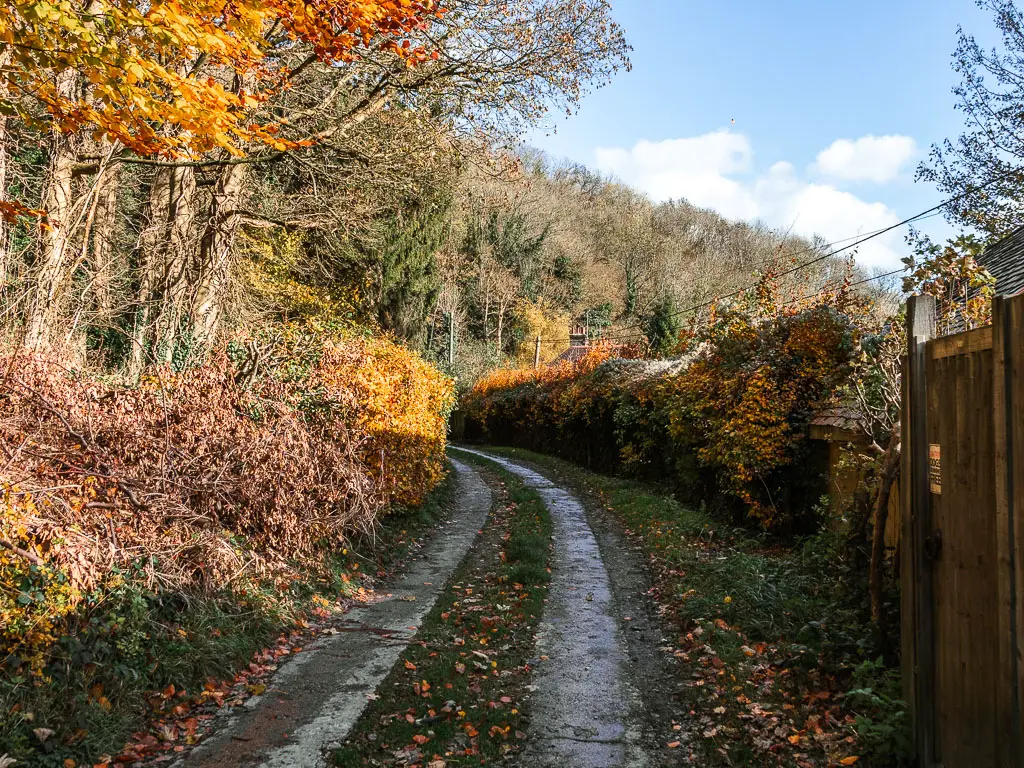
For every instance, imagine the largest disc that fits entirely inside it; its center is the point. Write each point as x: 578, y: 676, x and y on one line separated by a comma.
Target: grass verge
x: 144, y: 667
x: 775, y: 638
x: 459, y: 696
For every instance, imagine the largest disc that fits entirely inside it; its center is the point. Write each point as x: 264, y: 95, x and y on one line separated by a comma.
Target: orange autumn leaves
x: 751, y: 394
x: 404, y: 408
x: 549, y: 377
x: 731, y: 422
x: 397, y: 404
x: 179, y: 77
x: 201, y: 475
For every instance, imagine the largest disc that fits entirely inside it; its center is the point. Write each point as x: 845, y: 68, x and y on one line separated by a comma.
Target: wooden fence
x: 962, y: 562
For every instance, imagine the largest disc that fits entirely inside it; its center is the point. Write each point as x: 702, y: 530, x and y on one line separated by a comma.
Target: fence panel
x: 962, y: 531
x: 964, y: 551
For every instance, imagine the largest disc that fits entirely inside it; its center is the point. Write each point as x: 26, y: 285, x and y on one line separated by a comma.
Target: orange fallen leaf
x: 849, y: 760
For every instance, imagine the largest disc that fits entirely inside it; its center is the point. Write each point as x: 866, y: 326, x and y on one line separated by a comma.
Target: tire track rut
x: 314, y: 700
x: 586, y: 712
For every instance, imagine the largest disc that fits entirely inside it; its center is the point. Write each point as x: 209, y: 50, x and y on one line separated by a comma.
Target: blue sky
x: 834, y: 105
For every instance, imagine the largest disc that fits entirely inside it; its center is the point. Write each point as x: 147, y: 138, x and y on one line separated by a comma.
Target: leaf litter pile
x: 759, y: 697
x: 460, y: 695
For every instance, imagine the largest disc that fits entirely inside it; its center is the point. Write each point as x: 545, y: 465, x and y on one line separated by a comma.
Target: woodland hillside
x: 549, y: 244
x: 252, y: 257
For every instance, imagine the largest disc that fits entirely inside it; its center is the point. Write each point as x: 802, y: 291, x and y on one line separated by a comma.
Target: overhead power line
x: 934, y: 210
x: 820, y: 294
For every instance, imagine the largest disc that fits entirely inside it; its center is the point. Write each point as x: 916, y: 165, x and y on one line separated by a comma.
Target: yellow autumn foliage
x: 34, y: 596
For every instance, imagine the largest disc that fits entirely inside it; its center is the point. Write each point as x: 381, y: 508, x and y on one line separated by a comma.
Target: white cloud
x: 880, y: 159
x: 716, y: 171
x: 688, y: 168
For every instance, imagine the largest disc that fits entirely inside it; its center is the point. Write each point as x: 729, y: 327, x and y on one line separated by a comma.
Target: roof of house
x: 1005, y: 262
x: 841, y: 417
x: 839, y: 424
x: 572, y: 355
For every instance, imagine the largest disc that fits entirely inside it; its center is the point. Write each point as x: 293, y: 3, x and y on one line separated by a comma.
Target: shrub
x: 203, y: 480
x: 727, y: 423
x: 882, y: 719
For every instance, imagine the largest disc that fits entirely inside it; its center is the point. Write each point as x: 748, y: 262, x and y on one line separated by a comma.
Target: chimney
x: 579, y: 337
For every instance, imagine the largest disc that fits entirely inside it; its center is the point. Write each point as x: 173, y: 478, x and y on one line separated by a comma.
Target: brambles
x: 123, y: 508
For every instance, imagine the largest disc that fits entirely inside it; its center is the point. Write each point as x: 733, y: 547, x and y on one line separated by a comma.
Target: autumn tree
x: 166, y: 81
x: 983, y: 169
x: 963, y: 289
x: 313, y: 121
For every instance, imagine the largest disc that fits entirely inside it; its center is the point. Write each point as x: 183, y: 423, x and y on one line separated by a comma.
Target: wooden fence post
x: 920, y: 667
x: 1006, y: 341
x: 536, y: 355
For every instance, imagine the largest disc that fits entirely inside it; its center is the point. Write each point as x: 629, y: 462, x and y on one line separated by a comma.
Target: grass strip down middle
x: 459, y: 694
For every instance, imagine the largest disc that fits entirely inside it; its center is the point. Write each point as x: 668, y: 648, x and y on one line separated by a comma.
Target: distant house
x: 1005, y: 262
x: 579, y: 346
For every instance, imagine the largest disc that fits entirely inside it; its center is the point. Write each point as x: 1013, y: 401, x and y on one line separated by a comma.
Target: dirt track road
x: 587, y: 709
x: 602, y: 696
x: 316, y: 698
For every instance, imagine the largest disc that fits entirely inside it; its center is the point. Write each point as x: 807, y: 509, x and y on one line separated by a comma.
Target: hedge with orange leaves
x: 204, y: 476
x: 726, y: 424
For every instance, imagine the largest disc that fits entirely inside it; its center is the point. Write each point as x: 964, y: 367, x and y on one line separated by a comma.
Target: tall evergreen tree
x: 406, y: 261
x: 662, y: 327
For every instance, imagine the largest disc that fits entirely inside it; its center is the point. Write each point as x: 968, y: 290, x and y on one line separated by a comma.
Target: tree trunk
x: 890, y: 471
x: 6, y: 268
x: 50, y: 274
x: 214, y: 268
x: 103, y: 241
x: 487, y: 318
x: 501, y: 328
x: 167, y: 247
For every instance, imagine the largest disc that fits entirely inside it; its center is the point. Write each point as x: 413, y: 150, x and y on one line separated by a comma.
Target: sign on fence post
x: 935, y: 469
